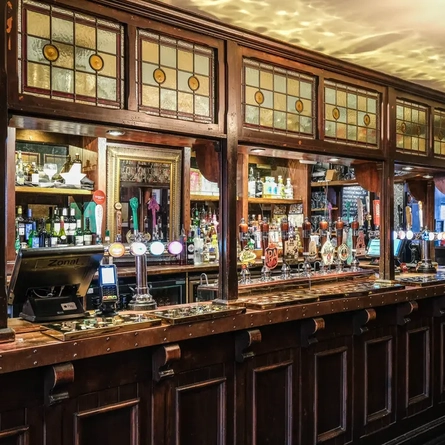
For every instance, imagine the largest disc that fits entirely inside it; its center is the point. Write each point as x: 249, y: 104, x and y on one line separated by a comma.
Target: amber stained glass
x: 411, y: 127
x: 176, y: 78
x: 70, y: 56
x: 439, y: 132
x: 277, y: 100
x: 351, y: 114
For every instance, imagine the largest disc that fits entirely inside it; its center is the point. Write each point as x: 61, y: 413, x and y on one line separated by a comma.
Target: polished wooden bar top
x: 33, y: 348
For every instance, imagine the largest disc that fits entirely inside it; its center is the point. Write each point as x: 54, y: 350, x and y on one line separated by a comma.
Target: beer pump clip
x: 142, y: 300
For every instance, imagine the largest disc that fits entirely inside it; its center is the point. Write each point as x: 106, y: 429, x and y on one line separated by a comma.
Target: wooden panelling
x: 418, y: 388
x: 374, y: 381
x: 192, y: 401
x: 441, y: 365
x: 96, y: 425
x: 272, y: 404
x: 15, y: 436
x: 327, y: 396
x: 415, y: 366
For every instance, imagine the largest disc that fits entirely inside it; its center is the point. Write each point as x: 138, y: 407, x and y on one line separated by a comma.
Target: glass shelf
x: 52, y: 191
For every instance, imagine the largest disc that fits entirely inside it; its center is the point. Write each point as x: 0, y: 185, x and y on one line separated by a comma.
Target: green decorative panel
x: 439, y: 132
x: 351, y: 115
x: 278, y: 100
x: 70, y: 56
x: 176, y: 79
x: 411, y: 127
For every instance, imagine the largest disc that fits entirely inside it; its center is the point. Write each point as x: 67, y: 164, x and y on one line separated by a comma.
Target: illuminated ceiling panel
x: 403, y: 38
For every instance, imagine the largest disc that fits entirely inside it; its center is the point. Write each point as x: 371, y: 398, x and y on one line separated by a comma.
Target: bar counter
x: 366, y: 369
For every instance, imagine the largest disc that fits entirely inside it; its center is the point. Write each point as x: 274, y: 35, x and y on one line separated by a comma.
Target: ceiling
x: 404, y: 38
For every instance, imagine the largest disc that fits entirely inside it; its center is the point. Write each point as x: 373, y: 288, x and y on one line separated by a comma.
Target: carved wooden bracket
x: 162, y: 361
x: 244, y: 340
x: 361, y: 319
x: 405, y: 309
x: 439, y: 307
x: 309, y: 328
x: 57, y: 380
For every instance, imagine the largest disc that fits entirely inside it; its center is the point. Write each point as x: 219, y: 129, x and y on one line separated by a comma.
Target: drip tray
x: 191, y: 313
x: 420, y: 280
x: 278, y: 300
x: 93, y: 326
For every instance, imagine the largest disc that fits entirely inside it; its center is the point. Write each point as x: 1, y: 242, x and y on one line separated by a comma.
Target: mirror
x: 153, y: 176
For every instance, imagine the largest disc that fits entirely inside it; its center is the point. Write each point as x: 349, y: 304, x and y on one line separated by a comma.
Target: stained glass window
x: 411, y: 127
x: 176, y: 78
x: 70, y: 56
x: 351, y: 114
x: 277, y: 100
x: 439, y: 132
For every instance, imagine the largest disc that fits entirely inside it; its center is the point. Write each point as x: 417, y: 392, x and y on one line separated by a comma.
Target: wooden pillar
x: 6, y: 29
x: 228, y: 280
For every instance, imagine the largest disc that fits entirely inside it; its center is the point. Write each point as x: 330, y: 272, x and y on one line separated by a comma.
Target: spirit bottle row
x: 268, y: 187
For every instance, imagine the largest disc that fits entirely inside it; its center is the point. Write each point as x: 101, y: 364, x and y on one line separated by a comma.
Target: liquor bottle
x: 33, y: 174
x: 280, y: 188
x: 56, y: 222
x: 197, y: 248
x: 67, y: 166
x: 77, y: 159
x: 20, y: 224
x: 258, y: 187
x: 62, y: 233
x: 28, y: 224
x: 33, y: 240
x: 78, y: 235
x: 87, y: 233
x: 288, y: 190
x: 54, y: 234
x: 19, y: 173
x: 44, y: 238
x: 49, y: 220
x: 251, y: 184
x: 190, y: 247
x: 70, y: 226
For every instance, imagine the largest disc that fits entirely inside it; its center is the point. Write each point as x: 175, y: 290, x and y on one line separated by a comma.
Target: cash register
x: 48, y: 283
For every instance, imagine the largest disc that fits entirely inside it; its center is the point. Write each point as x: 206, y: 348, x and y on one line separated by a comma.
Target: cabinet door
x: 326, y: 379
x: 193, y: 396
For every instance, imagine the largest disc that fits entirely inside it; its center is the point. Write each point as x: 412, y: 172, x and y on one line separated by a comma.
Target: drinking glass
x: 50, y: 170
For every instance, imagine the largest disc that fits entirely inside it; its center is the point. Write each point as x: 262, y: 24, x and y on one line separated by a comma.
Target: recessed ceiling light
x: 407, y: 168
x: 115, y: 132
x: 333, y: 159
x: 428, y: 176
x: 307, y: 161
x: 257, y: 150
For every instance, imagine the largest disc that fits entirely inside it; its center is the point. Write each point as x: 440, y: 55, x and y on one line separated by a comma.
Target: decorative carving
x: 244, y: 340
x: 439, y: 307
x: 162, y: 361
x: 405, y: 309
x: 309, y: 328
x: 57, y: 379
x: 361, y: 319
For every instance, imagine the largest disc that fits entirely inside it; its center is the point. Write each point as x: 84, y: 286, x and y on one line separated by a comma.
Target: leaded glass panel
x: 277, y: 100
x: 70, y: 56
x: 177, y: 78
x: 411, y: 127
x: 351, y: 114
x: 439, y: 132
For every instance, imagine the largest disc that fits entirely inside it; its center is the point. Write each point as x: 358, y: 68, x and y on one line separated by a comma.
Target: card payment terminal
x: 108, y: 288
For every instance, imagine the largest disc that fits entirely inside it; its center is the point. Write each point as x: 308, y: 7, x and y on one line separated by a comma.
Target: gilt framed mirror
x: 153, y: 176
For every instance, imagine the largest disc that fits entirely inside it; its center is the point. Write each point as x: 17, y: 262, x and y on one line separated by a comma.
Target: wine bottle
x: 56, y: 221
x: 87, y: 233
x: 28, y: 224
x: 251, y: 186
x: 20, y: 224
x: 78, y: 235
x: 71, y: 226
x: 62, y: 233
x: 44, y: 237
